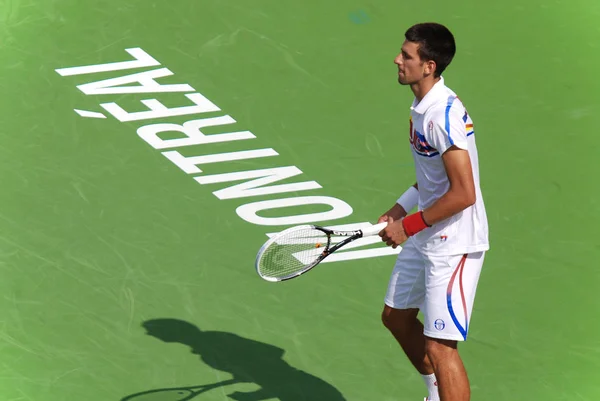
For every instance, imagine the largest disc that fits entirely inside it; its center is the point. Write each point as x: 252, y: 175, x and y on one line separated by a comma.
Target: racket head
x: 174, y: 394
x: 292, y: 252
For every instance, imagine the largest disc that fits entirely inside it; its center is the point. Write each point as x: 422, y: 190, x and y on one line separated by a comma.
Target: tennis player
x: 445, y: 241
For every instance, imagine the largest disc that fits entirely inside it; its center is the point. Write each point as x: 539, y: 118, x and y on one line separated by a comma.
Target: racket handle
x: 367, y: 232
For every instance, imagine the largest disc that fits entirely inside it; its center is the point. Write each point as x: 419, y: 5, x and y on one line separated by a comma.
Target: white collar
x: 431, y: 96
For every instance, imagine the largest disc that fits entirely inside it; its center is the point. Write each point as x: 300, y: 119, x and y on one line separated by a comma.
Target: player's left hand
x: 393, y: 235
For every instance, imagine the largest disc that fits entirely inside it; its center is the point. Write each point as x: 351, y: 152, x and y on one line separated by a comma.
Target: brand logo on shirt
x: 439, y: 324
x: 420, y: 144
x: 468, y: 124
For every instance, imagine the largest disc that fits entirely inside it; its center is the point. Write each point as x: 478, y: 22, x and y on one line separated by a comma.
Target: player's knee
x: 398, y: 320
x: 439, y: 349
x: 387, y: 320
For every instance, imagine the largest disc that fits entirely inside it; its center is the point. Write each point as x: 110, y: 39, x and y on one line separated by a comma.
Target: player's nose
x: 398, y: 60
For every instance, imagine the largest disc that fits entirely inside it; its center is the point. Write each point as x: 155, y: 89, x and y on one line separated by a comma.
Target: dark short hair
x: 436, y: 43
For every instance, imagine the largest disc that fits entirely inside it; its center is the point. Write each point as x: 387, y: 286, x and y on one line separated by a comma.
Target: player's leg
x: 453, y: 382
x: 405, y: 295
x: 408, y: 331
x: 451, y: 283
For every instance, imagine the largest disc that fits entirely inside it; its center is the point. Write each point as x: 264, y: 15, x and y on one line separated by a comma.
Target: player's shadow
x: 248, y: 361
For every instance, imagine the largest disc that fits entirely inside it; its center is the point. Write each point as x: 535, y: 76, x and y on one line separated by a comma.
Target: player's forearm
x: 399, y: 211
x: 452, y: 202
x: 406, y: 203
x: 396, y: 212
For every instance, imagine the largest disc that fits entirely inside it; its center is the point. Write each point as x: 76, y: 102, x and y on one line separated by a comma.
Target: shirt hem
x: 456, y: 251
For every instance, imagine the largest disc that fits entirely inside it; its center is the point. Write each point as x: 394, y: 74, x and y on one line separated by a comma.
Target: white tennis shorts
x: 442, y: 287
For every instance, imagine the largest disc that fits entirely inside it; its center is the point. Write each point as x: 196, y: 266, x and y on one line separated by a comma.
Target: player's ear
x: 430, y: 67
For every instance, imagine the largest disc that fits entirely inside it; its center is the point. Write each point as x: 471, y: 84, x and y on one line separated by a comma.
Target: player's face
x: 411, y: 69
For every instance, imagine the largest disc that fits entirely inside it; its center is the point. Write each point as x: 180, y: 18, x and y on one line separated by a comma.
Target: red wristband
x: 414, y: 223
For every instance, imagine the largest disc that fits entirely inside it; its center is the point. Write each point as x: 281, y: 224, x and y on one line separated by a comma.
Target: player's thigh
x: 406, y: 287
x: 451, y: 284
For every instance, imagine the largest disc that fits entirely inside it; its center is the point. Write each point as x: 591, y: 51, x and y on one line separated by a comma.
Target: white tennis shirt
x: 439, y: 121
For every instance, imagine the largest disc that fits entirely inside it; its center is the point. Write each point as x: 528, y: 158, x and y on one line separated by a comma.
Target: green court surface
x: 125, y: 278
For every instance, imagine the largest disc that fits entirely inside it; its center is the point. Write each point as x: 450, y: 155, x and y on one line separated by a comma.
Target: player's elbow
x: 469, y: 198
x: 465, y: 198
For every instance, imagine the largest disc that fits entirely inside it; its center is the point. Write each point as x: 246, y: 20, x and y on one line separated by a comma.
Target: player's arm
x: 461, y: 194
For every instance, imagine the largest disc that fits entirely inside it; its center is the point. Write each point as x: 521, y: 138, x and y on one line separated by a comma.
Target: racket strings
x: 293, y: 252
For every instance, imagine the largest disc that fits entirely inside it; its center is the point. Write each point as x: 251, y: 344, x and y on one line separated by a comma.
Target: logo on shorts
x: 439, y: 324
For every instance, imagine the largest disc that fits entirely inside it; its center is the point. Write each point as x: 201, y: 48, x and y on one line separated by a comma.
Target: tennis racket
x: 297, y: 250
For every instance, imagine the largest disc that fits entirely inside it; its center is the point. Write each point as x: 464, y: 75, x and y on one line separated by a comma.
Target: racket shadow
x: 246, y: 360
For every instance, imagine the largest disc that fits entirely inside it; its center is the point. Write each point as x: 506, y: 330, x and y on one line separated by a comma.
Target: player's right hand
x: 393, y: 234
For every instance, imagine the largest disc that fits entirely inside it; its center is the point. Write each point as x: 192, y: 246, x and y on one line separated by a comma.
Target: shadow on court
x: 248, y: 361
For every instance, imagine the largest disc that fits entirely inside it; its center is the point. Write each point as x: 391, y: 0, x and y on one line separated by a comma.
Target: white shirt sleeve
x: 447, y: 128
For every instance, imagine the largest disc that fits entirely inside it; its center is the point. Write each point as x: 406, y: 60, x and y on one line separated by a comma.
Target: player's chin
x: 402, y: 81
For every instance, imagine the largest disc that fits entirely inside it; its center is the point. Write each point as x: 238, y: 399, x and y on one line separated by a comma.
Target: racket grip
x: 367, y: 232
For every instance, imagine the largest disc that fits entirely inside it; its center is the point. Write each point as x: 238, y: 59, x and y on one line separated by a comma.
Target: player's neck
x: 421, y: 88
